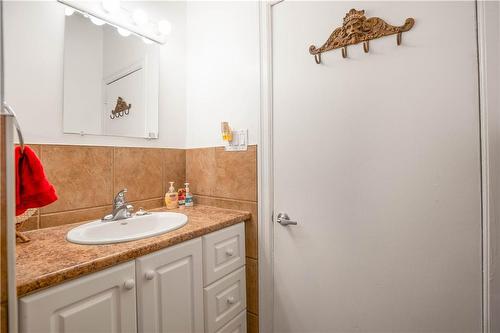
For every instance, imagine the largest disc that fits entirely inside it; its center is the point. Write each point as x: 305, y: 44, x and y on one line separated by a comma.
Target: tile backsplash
x: 86, y: 179
x: 229, y: 180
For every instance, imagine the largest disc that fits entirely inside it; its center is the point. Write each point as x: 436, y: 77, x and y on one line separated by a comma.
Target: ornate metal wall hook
x: 317, y: 58
x: 356, y: 29
x: 121, y: 109
x: 398, y: 38
x: 366, y: 46
x: 344, y: 52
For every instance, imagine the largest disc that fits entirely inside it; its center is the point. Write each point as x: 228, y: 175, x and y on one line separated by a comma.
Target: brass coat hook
x: 366, y: 46
x: 356, y: 29
x: 317, y: 58
x: 344, y: 52
x: 121, y: 108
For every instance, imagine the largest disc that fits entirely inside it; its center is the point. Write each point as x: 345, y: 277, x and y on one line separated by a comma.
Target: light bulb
x: 140, y: 17
x: 164, y: 27
x: 96, y: 21
x: 68, y: 11
x: 123, y: 32
x: 111, y: 6
x: 147, y: 41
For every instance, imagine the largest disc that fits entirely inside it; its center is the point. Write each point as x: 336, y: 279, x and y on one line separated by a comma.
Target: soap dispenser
x: 171, y: 198
x: 188, y: 201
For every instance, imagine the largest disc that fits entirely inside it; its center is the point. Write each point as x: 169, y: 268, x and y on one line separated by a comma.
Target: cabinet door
x: 170, y: 289
x: 100, y: 302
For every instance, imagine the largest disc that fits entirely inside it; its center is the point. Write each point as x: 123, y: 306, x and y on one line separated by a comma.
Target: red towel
x: 33, y: 190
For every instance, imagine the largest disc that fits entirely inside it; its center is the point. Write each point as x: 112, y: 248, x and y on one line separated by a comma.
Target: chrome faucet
x: 121, y: 209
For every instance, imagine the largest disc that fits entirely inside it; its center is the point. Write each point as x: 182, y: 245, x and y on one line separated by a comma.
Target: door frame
x: 487, y: 196
x: 265, y: 169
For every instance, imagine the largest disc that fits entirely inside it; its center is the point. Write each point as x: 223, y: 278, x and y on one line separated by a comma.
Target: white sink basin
x: 137, y: 227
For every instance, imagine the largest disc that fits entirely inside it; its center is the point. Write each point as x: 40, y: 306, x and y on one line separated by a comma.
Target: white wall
x: 34, y: 44
x: 223, y: 70
x: 209, y: 72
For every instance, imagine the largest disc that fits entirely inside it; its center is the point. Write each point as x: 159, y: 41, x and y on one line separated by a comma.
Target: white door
x: 102, y: 302
x: 377, y: 158
x: 170, y: 289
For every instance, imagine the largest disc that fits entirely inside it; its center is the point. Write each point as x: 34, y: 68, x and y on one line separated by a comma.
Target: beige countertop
x: 49, y: 259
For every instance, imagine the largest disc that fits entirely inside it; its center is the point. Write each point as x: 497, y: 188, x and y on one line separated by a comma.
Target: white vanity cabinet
x: 194, y: 286
x: 101, y: 302
x: 170, y: 289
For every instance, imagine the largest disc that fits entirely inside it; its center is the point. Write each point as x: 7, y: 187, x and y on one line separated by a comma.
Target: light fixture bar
x: 85, y: 7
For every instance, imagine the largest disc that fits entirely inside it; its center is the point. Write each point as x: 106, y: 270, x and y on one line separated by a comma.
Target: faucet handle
x: 120, y: 198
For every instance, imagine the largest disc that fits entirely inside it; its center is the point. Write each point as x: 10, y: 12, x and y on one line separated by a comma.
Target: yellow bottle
x: 171, y: 197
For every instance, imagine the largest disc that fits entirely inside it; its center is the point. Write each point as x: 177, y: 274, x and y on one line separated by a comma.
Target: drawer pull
x: 230, y: 300
x: 149, y: 275
x: 129, y: 284
x: 229, y: 252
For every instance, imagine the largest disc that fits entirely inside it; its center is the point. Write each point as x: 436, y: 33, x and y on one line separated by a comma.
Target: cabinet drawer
x: 237, y: 325
x: 225, y: 299
x: 223, y: 252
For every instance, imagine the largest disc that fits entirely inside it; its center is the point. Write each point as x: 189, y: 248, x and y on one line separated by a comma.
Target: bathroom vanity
x: 188, y: 280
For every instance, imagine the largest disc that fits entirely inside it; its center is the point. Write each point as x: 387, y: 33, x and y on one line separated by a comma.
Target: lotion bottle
x: 189, y: 197
x: 171, y: 198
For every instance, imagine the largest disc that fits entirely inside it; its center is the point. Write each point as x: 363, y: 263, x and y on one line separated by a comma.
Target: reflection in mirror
x: 110, y: 81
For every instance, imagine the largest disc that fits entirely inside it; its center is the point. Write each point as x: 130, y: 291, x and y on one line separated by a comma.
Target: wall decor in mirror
x: 111, y: 79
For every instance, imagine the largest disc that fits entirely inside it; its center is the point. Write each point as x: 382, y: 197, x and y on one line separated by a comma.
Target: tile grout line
x: 224, y: 198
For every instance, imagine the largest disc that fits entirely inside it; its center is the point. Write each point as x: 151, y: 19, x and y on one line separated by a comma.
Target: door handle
x: 284, y: 220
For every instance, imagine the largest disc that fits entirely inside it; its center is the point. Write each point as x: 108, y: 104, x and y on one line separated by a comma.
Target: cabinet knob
x: 230, y: 300
x: 229, y: 252
x: 129, y: 284
x: 149, y: 275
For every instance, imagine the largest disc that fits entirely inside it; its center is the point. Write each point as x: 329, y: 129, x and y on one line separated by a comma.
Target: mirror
x: 111, y: 80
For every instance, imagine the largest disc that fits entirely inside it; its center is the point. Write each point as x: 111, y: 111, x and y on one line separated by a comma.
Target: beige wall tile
x: 252, y: 271
x: 36, y: 148
x: 252, y: 323
x: 4, y: 318
x: 251, y: 226
x: 139, y: 170
x: 174, y: 168
x: 31, y: 223
x: 68, y: 217
x: 149, y: 204
x: 236, y: 174
x: 81, y: 175
x: 201, y: 170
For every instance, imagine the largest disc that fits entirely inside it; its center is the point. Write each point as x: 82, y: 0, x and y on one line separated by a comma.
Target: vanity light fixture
x: 96, y: 21
x: 140, y: 17
x: 111, y: 6
x: 123, y: 32
x: 68, y: 11
x: 164, y: 27
x: 110, y: 12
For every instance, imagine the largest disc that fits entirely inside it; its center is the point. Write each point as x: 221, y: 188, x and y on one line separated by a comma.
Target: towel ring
x: 11, y: 113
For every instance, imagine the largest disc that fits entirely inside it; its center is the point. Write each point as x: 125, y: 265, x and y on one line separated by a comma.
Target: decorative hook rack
x: 121, y: 109
x: 356, y: 29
